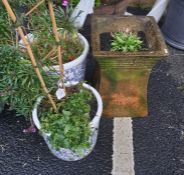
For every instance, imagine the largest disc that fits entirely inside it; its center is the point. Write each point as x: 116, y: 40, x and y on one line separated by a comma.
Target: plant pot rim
x: 83, y: 55
x: 101, y: 24
x: 173, y: 43
x: 80, y: 58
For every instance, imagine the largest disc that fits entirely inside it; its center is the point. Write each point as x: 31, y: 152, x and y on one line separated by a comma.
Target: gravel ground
x: 159, y: 139
x: 27, y: 154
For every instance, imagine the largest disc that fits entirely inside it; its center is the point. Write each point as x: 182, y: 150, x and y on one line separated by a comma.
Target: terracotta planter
x: 67, y: 154
x: 124, y: 76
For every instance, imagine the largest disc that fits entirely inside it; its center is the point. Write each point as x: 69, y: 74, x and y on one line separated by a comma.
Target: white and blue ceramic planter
x: 73, y: 70
x: 67, y: 154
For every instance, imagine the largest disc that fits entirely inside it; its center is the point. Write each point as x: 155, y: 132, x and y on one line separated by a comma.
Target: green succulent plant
x: 126, y: 42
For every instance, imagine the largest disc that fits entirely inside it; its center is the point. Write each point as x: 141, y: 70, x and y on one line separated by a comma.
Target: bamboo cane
x: 59, y: 50
x: 29, y: 50
x: 35, y: 7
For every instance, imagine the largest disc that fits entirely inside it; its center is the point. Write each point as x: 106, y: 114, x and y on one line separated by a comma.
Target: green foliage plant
x: 7, y: 28
x: 69, y: 124
x: 126, y: 42
x: 6, y: 34
x: 69, y: 128
x: 20, y: 3
x: 19, y: 87
x: 40, y: 26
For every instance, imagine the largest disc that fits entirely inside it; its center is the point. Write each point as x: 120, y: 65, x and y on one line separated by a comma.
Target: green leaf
x: 70, y: 128
x: 66, y: 113
x: 125, y: 42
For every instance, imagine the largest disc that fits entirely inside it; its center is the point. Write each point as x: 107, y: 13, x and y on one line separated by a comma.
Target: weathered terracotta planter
x: 124, y: 76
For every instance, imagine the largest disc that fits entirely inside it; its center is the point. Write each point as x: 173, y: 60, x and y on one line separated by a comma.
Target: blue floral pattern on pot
x: 74, y: 70
x: 76, y: 73
x: 69, y: 155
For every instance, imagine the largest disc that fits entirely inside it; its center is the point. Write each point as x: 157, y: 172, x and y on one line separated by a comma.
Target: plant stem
x: 59, y: 50
x: 36, y: 6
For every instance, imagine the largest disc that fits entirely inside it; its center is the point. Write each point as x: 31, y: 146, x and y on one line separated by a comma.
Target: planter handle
x: 34, y: 113
x: 96, y: 120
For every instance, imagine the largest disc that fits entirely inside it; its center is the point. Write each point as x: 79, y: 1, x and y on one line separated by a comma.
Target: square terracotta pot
x: 124, y: 76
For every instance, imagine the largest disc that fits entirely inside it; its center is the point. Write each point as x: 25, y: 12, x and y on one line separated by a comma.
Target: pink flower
x: 31, y: 129
x: 65, y: 3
